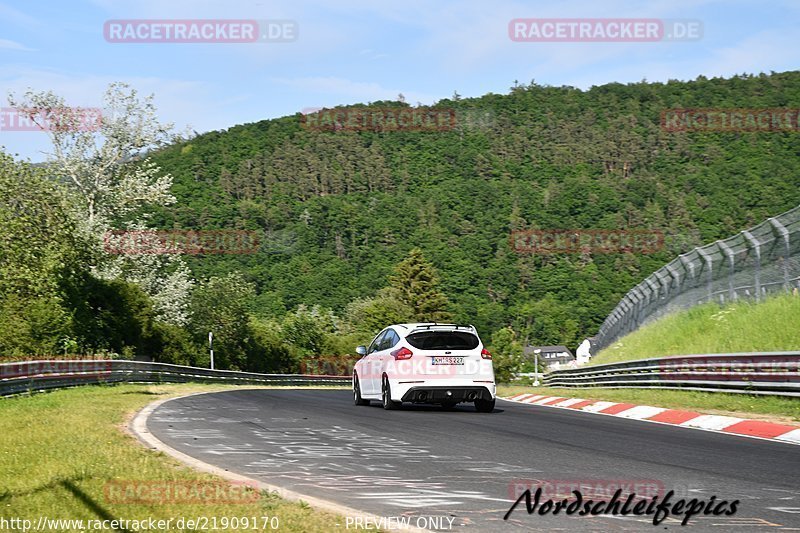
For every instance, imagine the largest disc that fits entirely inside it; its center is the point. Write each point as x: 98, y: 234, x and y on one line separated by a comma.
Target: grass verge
x: 60, y: 452
x: 778, y: 409
x: 771, y: 325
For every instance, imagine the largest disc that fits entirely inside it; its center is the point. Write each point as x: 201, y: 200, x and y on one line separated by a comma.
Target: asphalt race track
x: 466, y: 466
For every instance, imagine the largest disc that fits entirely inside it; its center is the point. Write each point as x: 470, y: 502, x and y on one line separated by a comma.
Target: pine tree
x: 416, y: 283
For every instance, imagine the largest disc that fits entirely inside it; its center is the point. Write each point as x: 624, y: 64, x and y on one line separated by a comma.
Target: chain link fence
x: 760, y: 260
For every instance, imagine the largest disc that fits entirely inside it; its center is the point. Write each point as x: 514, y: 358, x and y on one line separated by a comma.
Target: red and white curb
x: 723, y: 424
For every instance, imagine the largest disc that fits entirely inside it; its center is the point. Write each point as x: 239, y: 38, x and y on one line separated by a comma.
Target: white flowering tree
x: 101, y: 154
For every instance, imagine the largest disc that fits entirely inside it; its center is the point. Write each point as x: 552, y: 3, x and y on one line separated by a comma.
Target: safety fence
x: 769, y: 373
x: 763, y: 259
x: 29, y: 376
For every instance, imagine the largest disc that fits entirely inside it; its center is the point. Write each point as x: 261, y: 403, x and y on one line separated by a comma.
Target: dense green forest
x: 340, y: 209
x: 344, y: 216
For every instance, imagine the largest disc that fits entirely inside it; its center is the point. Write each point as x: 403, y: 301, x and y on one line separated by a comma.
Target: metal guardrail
x: 769, y: 373
x: 29, y: 376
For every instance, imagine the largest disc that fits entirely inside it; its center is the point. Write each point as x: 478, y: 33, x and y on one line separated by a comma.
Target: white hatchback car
x: 425, y: 363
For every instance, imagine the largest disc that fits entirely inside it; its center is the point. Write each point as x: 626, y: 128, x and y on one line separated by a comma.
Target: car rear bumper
x: 443, y: 394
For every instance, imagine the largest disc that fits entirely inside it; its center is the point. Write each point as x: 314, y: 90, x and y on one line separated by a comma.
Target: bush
x: 177, y: 347
x: 506, y: 354
x: 31, y: 327
x: 267, y: 351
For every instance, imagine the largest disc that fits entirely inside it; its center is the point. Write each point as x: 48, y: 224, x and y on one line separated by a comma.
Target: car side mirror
x: 361, y: 350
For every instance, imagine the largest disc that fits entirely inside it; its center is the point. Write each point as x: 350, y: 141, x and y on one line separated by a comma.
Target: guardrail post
x: 732, y: 263
x: 652, y: 297
x: 626, y: 310
x: 757, y: 247
x: 781, y: 230
x: 710, y: 267
x: 688, y: 267
x: 675, y: 276
x: 664, y: 283
x: 662, y: 280
x: 640, y: 303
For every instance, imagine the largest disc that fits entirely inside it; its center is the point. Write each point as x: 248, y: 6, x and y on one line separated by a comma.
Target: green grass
x: 58, y: 450
x: 773, y: 325
x: 778, y: 409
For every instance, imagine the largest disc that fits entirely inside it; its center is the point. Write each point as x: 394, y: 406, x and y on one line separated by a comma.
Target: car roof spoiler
x: 438, y: 325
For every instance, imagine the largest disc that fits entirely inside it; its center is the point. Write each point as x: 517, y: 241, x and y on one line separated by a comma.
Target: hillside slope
x: 770, y: 326
x: 339, y: 209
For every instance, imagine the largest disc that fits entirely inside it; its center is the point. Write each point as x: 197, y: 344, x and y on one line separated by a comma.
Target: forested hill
x: 340, y: 209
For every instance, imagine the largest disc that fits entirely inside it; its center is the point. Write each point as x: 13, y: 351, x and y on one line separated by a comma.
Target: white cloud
x: 8, y: 44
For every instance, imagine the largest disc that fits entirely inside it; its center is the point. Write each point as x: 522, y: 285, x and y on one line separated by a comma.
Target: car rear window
x: 443, y: 340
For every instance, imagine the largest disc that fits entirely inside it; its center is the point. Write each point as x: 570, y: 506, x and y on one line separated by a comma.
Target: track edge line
x: 137, y: 428
x: 719, y: 431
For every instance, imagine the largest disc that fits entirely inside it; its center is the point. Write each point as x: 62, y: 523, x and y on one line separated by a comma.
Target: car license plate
x: 447, y: 360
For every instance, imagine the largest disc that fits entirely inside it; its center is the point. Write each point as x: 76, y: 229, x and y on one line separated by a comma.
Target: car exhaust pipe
x: 471, y: 396
x: 422, y: 396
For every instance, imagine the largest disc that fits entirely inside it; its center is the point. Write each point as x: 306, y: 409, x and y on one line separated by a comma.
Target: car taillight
x: 485, y: 354
x: 402, y: 353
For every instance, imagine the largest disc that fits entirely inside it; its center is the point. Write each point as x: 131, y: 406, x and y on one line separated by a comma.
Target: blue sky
x: 351, y: 51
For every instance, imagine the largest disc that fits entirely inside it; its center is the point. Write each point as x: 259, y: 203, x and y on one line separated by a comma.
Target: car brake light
x: 485, y: 354
x: 402, y: 353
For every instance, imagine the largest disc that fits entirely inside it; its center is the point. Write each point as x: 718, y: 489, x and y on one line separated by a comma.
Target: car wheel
x: 357, y: 399
x: 484, y: 406
x: 386, y: 396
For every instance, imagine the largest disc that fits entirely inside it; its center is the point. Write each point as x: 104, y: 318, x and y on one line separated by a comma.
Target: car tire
x: 357, y: 399
x: 386, y: 396
x: 484, y: 406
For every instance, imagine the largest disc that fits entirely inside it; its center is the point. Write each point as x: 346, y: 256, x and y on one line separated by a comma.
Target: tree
x: 506, y: 354
x: 165, y: 278
x: 416, y: 284
x: 117, y: 316
x: 548, y: 322
x: 221, y: 305
x: 306, y: 329
x: 41, y: 259
x: 94, y: 157
x: 370, y: 315
x: 462, y: 195
x: 39, y: 248
x: 113, y: 181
